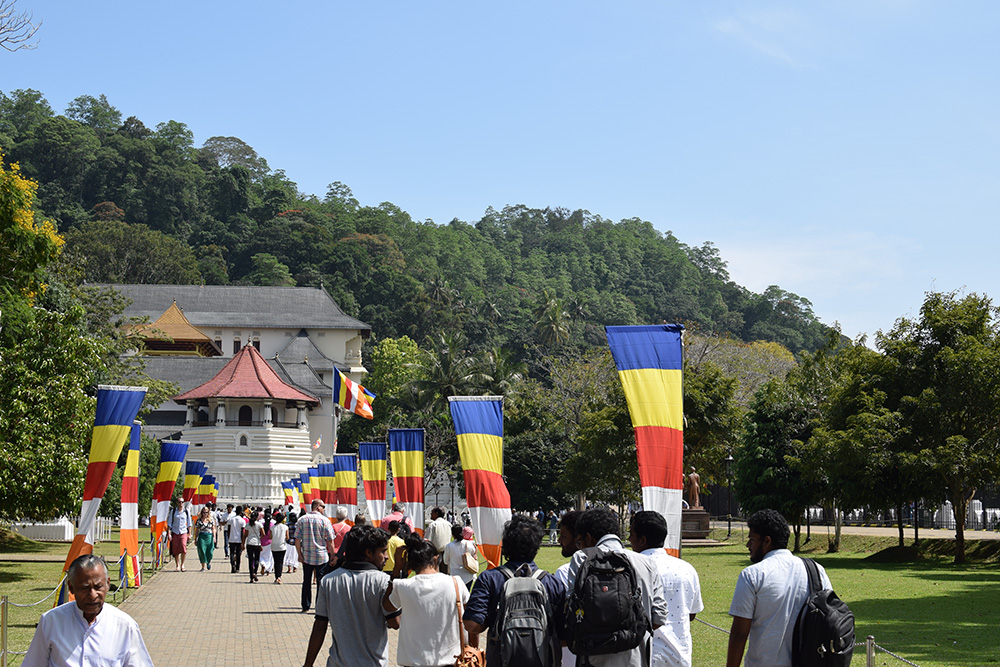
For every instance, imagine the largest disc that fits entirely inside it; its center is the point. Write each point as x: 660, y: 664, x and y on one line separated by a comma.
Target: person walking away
x: 599, y: 533
x: 353, y: 595
x: 266, y: 559
x: 521, y: 540
x: 85, y: 630
x: 204, y: 537
x: 672, y: 645
x: 438, y: 532
x: 395, y: 542
x: 768, y: 596
x: 180, y: 527
x: 236, y: 525
x: 291, y: 554
x: 568, y: 540
x: 428, y: 604
x: 460, y: 552
x: 340, y: 527
x: 251, y: 540
x: 279, y: 534
x: 314, y: 543
x: 223, y: 516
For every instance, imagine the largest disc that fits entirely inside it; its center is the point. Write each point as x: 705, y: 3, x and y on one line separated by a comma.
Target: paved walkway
x: 216, y: 618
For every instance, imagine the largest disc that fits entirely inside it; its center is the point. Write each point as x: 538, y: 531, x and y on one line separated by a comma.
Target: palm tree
x: 443, y: 370
x: 553, y: 324
x: 502, y: 374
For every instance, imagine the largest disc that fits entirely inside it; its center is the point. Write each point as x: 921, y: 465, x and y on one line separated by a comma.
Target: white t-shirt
x: 771, y: 593
x: 279, y: 532
x: 453, y: 552
x: 63, y: 637
x: 253, y: 533
x: 428, y: 626
x: 236, y: 524
x: 682, y: 591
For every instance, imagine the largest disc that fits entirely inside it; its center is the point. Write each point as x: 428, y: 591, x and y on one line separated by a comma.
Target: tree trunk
x: 838, y: 523
x: 899, y: 521
x: 959, y: 505
x: 916, y: 524
x: 798, y: 534
x: 581, y: 501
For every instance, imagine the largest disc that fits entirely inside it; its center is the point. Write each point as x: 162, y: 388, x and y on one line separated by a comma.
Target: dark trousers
x: 253, y: 560
x: 279, y: 562
x: 307, y: 579
x: 235, y: 551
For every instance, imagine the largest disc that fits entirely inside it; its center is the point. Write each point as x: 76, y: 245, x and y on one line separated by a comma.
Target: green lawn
x: 28, y: 582
x: 931, y: 612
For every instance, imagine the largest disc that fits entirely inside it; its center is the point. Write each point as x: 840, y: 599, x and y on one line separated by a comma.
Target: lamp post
x: 451, y: 478
x: 729, y: 490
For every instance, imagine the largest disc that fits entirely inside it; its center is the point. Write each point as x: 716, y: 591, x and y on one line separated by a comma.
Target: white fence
x: 63, y: 530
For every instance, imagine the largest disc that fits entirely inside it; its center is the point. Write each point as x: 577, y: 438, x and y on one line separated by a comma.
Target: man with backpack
x: 769, y: 595
x: 615, y: 597
x: 519, y: 604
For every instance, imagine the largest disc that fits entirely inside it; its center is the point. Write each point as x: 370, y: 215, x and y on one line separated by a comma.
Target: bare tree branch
x: 16, y: 29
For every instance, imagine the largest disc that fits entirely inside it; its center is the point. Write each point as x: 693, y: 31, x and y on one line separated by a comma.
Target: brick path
x: 216, y: 618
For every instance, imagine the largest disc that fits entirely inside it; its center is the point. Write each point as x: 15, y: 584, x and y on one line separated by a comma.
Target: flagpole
x: 336, y: 420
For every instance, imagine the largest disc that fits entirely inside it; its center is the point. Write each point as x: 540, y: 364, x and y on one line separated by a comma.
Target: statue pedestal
x: 695, y: 524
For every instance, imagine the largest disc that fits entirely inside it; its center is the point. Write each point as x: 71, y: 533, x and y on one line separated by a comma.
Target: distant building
x: 194, y: 331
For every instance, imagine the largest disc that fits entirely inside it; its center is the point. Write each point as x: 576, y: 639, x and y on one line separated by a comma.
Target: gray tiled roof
x: 301, y: 348
x: 236, y: 306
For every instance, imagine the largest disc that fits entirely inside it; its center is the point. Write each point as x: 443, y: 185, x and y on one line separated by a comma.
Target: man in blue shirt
x: 522, y: 537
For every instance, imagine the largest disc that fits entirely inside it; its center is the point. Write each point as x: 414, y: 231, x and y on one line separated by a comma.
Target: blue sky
x: 846, y: 151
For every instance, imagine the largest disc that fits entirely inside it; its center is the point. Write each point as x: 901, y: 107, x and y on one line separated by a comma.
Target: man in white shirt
x: 221, y: 519
x: 85, y: 631
x: 234, y: 528
x: 438, y: 533
x: 681, y: 590
x: 769, y: 595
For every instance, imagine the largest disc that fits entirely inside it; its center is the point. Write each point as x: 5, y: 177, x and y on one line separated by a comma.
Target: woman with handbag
x: 460, y: 555
x: 430, y: 630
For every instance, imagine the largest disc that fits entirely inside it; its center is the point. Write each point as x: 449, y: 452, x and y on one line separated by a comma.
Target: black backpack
x: 604, y: 611
x: 824, y: 630
x: 523, y: 629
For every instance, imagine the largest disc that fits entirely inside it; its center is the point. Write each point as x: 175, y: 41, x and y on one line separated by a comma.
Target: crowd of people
x: 607, y: 606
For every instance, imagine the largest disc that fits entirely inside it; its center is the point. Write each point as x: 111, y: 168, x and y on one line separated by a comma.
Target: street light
x: 451, y: 478
x: 729, y: 490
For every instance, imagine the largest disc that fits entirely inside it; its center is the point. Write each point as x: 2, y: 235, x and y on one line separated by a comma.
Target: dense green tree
x: 112, y: 251
x: 95, y: 112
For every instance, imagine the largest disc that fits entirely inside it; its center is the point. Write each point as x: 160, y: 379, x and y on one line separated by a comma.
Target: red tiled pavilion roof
x: 247, y: 375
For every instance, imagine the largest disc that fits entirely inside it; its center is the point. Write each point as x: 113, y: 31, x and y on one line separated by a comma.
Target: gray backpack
x: 523, y: 626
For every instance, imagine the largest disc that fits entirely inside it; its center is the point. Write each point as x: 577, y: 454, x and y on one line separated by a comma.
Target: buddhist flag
x: 172, y: 453
x: 205, y: 490
x: 650, y: 361
x: 314, y: 483
x: 327, y: 488
x: 193, y: 471
x: 305, y: 497
x: 301, y: 500
x: 286, y: 487
x: 406, y: 451
x: 479, y: 427
x: 352, y: 396
x: 113, y: 417
x: 128, y: 538
x: 215, y: 493
x: 373, y: 474
x: 346, y: 483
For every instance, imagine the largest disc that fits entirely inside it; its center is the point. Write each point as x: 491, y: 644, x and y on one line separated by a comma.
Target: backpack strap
x: 812, y: 571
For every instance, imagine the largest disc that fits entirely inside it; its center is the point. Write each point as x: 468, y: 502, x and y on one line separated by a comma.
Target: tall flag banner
x: 650, y: 361
x: 406, y: 451
x: 352, y: 396
x: 302, y: 496
x: 113, y: 417
x: 479, y: 427
x: 373, y: 474
x: 306, y: 497
x: 172, y: 453
x: 286, y: 488
x: 193, y: 472
x: 128, y: 538
x: 327, y: 488
x: 346, y: 483
x: 215, y: 493
x: 206, y: 489
x: 314, y: 485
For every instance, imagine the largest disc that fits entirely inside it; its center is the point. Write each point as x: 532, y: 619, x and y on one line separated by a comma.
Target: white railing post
x: 870, y: 651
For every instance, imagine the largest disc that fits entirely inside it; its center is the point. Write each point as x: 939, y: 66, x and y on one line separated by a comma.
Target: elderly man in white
x: 86, y: 632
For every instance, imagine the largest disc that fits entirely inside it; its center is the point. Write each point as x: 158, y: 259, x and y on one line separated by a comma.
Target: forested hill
x: 145, y: 205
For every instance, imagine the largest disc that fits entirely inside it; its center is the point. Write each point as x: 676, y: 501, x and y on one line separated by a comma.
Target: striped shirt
x: 311, y: 534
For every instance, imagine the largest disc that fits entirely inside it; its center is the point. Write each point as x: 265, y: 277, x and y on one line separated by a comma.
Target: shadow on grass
x: 12, y: 572
x: 12, y: 543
